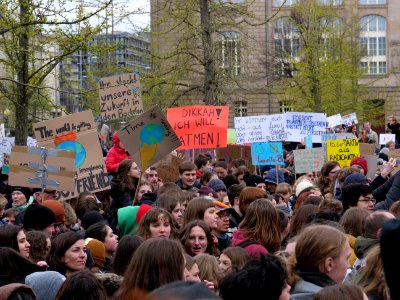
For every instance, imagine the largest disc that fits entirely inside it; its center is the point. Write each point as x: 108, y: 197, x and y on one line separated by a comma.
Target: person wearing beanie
x: 58, y: 209
x: 273, y: 178
x: 45, y: 284
x: 21, y: 198
x: 98, y: 251
x: 390, y: 246
x: 218, y: 186
x: 207, y: 191
x: 254, y: 181
x: 355, y: 178
x: 90, y: 218
x: 302, y: 186
x: 361, y: 163
x: 39, y: 217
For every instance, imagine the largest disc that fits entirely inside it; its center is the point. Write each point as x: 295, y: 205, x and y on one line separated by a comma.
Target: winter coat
x: 253, y: 250
x: 115, y: 156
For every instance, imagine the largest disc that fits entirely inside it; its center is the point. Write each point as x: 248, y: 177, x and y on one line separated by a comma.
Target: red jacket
x: 115, y: 155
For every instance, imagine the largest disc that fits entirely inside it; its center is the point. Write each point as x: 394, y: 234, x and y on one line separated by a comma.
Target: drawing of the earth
x: 74, y: 146
x: 152, y: 134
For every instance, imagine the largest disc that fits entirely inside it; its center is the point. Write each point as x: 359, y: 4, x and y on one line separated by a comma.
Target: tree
x: 35, y: 36
x: 323, y: 75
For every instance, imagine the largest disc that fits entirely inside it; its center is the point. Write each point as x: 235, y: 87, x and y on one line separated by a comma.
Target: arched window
x: 278, y: 3
x: 230, y: 52
x: 372, y: 2
x: 373, y: 43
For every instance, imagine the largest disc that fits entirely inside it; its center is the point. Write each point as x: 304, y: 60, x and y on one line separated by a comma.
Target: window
x: 240, y: 108
x: 373, y: 43
x: 278, y: 3
x: 330, y: 2
x: 369, y: 2
x: 285, y: 106
x: 287, y: 45
x: 230, y: 53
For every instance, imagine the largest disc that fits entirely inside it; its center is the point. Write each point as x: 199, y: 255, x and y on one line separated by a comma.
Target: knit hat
x: 355, y: 178
x: 110, y: 281
x: 302, y: 186
x: 26, y: 191
x: 57, y: 208
x: 217, y: 185
x: 362, y: 162
x: 252, y: 180
x: 206, y: 191
x: 38, y: 217
x: 223, y: 207
x: 127, y: 219
x: 271, y: 176
x: 390, y: 242
x: 143, y: 209
x: 91, y: 217
x: 98, y: 251
x: 183, y: 290
x: 45, y: 284
x: 264, y: 169
x: 148, y: 198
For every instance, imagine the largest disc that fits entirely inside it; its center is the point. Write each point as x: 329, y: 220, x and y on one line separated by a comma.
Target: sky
x: 138, y: 20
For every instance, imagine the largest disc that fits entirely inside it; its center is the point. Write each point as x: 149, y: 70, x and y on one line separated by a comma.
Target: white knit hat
x: 302, y: 186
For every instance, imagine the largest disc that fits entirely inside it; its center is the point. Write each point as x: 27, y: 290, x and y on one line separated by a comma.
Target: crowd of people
x: 221, y: 231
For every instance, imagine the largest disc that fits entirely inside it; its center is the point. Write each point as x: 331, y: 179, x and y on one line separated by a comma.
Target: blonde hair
x: 209, y: 269
x: 283, y: 188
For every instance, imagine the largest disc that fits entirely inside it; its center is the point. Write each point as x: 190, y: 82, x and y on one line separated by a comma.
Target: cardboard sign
x: 372, y: 162
x: 367, y: 149
x: 120, y: 96
x: 77, y: 132
x: 385, y: 137
x: 308, y: 160
x: 265, y: 128
x: 301, y: 124
x: 231, y: 136
x: 149, y: 137
x: 342, y: 151
x: 20, y: 174
x: 200, y: 126
x: 334, y: 120
x: 232, y: 152
x: 168, y: 168
x: 6, y: 143
x: 349, y: 119
x: 269, y: 153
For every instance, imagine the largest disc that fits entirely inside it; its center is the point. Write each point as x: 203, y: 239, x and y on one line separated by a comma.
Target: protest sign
x: 168, y: 168
x: 308, y: 141
x: 301, y: 124
x: 6, y: 143
x: 265, y: 128
x: 149, y: 137
x: 367, y: 149
x: 200, y: 126
x: 232, y: 152
x: 120, y: 96
x: 308, y: 160
x: 372, y: 162
x: 77, y: 132
x: 333, y: 121
x: 349, y: 119
x: 385, y: 137
x: 5, y: 168
x: 267, y: 153
x: 60, y: 169
x: 342, y: 151
x: 335, y: 136
x: 231, y: 136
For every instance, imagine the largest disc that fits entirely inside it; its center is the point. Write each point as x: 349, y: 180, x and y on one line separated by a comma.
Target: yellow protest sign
x: 342, y: 151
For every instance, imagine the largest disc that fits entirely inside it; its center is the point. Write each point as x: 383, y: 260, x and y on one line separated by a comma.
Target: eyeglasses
x: 368, y: 199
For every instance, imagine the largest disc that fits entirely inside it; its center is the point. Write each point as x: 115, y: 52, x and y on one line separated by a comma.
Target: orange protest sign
x: 200, y: 126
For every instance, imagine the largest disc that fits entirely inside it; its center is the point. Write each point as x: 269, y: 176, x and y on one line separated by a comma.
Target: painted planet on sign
x: 152, y: 134
x: 74, y: 146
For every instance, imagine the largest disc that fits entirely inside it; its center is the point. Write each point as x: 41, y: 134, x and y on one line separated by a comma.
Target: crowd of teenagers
x: 221, y: 231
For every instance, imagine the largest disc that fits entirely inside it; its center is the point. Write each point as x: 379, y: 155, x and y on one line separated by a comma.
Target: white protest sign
x: 301, y: 124
x: 349, y: 119
x: 308, y: 160
x: 6, y: 143
x: 265, y: 128
x: 334, y: 120
x: 386, y: 137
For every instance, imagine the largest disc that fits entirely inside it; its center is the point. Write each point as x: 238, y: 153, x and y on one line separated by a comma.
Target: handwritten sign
x: 149, y: 137
x: 6, y: 143
x: 342, y: 151
x: 301, y: 124
x: 334, y: 120
x: 21, y: 174
x: 168, y: 168
x: 350, y: 119
x: 200, y: 126
x: 308, y: 160
x: 264, y: 128
x: 77, y: 132
x: 384, y: 138
x: 367, y: 149
x: 232, y: 152
x: 120, y: 96
x: 267, y: 153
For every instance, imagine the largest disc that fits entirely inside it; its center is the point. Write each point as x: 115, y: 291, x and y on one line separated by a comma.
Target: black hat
x: 26, y: 191
x: 148, y: 198
x: 91, y: 217
x: 183, y: 290
x: 38, y: 217
x: 252, y: 180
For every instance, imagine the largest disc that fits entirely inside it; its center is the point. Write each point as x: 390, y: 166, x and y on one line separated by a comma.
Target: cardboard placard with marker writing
x: 77, y: 132
x: 149, y: 137
x: 120, y: 96
x: 267, y: 153
x: 232, y: 152
x: 342, y: 151
x: 200, y: 126
x: 168, y: 168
